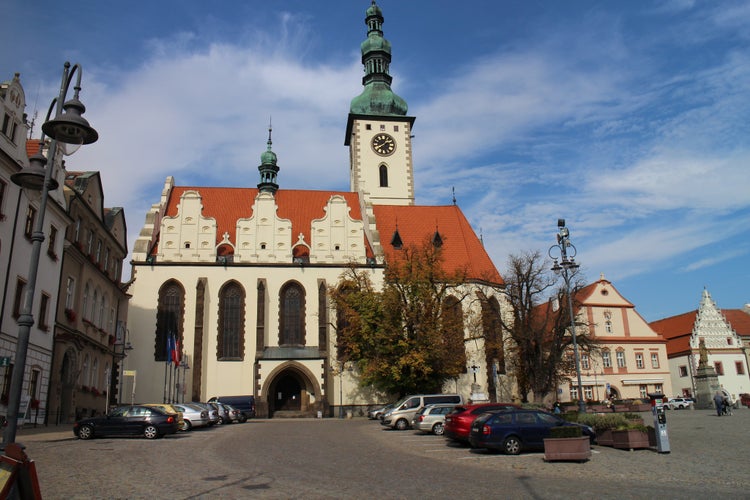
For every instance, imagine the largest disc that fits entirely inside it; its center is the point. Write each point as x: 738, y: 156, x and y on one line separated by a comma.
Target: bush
x: 603, y: 422
x: 565, y: 431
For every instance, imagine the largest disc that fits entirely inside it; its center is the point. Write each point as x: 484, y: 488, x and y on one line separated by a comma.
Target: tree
x: 407, y: 337
x: 539, y: 330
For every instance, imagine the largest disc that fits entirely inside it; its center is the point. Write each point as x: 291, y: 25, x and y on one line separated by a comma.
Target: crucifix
x: 474, y: 369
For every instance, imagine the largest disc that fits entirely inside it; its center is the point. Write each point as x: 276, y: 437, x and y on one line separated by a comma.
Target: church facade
x: 230, y: 284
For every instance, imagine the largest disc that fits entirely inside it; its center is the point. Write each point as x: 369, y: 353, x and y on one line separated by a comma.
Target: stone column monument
x: 706, y: 380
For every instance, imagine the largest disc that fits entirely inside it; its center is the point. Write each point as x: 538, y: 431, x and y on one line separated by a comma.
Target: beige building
x: 631, y: 358
x: 230, y: 284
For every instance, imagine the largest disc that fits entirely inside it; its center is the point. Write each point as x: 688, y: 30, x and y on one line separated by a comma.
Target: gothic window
x: 322, y: 316
x: 230, y: 342
x: 383, y: 176
x: 453, y: 329
x: 260, y: 324
x: 292, y: 312
x: 169, y: 315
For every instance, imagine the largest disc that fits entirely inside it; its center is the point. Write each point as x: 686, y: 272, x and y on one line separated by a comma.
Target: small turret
x: 268, y: 168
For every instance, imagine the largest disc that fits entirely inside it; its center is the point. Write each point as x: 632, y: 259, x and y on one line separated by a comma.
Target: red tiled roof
x: 226, y: 205
x: 461, y: 247
x: 739, y: 320
x: 32, y: 147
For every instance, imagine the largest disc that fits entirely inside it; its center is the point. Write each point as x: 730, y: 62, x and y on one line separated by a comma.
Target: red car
x: 458, y: 422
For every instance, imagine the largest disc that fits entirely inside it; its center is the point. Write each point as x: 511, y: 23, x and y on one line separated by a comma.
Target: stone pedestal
x: 477, y: 395
x: 706, y: 386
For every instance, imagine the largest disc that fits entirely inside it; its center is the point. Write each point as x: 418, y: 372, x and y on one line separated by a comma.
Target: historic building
x: 722, y: 333
x: 19, y: 214
x: 230, y: 284
x: 630, y: 359
x: 91, y: 312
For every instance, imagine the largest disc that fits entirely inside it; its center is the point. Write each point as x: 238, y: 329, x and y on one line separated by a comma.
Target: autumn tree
x: 407, y: 336
x: 539, y: 329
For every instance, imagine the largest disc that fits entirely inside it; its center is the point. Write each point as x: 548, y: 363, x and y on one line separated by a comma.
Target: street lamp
x: 71, y: 130
x: 567, y: 267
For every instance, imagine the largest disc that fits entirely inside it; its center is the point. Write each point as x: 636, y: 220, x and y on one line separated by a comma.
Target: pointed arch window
x: 169, y: 315
x: 322, y: 317
x: 292, y: 312
x: 383, y: 175
x: 453, y: 328
x: 231, y: 336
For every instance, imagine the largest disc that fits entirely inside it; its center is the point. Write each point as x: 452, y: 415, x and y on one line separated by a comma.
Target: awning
x: 642, y: 381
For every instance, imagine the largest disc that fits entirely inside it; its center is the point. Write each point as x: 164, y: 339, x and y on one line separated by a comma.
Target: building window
x: 643, y: 390
x: 231, y: 322
x: 620, y: 359
x: 639, y: 360
x: 683, y: 371
x: 90, y: 242
x: 383, y: 176
x: 368, y: 126
x: 34, y: 384
x: 585, y: 361
x: 260, y: 321
x: 6, y: 382
x: 106, y: 260
x: 9, y: 128
x: 98, y: 250
x: 94, y: 375
x: 51, y: 243
x: 18, y: 298
x: 573, y: 393
x: 169, y: 316
x: 382, y: 127
x: 606, y: 359
x: 77, y: 234
x: 719, y: 368
x: 658, y: 389
x: 85, y: 373
x: 94, y: 308
x: 322, y: 317
x: 729, y: 341
x: 588, y: 392
x: 740, y: 367
x: 70, y: 289
x: 608, y: 326
x: 654, y: 360
x: 395, y: 128
x: 28, y: 229
x: 292, y: 315
x: 102, y: 310
x: 44, y: 312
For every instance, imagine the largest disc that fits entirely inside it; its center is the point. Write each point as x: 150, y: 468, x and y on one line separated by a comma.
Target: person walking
x: 719, y: 402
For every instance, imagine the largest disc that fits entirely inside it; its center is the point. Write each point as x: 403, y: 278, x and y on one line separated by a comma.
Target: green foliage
x: 407, y: 337
x: 602, y: 422
x: 565, y: 431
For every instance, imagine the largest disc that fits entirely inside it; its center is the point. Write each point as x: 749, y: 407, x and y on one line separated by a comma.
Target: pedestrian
x: 719, y: 402
x: 556, y: 408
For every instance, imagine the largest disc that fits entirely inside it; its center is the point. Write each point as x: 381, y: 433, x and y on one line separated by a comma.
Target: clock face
x: 383, y: 144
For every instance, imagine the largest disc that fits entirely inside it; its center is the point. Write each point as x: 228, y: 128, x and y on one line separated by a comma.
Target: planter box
x: 639, y: 408
x: 630, y: 439
x: 558, y: 449
x: 604, y: 438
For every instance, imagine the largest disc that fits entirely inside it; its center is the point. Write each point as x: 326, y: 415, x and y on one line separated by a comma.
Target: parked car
x: 213, y: 413
x: 400, y: 416
x: 431, y: 418
x: 129, y: 420
x: 193, y: 416
x: 458, y: 422
x: 246, y: 404
x: 375, y: 412
x: 678, y: 404
x: 168, y: 408
x: 514, y: 431
x: 224, y: 416
x: 233, y: 413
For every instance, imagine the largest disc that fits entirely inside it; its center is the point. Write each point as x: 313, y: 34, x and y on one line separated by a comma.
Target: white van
x: 403, y: 411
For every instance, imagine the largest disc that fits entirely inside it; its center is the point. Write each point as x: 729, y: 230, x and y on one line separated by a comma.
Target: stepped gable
x: 226, y: 205
x: 462, y: 249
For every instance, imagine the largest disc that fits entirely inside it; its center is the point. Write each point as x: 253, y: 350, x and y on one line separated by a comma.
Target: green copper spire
x: 377, y: 98
x: 268, y: 168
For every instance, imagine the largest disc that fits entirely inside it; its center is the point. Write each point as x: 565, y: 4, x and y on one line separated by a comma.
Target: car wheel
x: 402, y: 424
x: 86, y: 432
x: 150, y: 432
x: 512, y: 445
x: 438, y: 429
x: 243, y: 418
x: 186, y: 425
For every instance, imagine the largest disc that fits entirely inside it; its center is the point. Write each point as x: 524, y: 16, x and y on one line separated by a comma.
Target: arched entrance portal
x: 292, y: 391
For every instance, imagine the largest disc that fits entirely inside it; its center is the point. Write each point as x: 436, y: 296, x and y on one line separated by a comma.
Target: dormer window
x: 396, y: 240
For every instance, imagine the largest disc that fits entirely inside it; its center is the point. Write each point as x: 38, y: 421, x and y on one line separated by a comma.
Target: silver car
x: 193, y: 416
x: 431, y: 418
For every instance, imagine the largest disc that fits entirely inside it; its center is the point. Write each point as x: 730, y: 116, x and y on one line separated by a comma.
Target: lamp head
x: 32, y: 176
x: 560, y: 222
x: 69, y: 126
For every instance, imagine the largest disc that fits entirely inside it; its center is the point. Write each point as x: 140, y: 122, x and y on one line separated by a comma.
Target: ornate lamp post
x: 567, y: 267
x: 71, y: 130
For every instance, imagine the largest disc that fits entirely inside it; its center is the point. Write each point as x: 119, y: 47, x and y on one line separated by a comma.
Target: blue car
x: 514, y: 431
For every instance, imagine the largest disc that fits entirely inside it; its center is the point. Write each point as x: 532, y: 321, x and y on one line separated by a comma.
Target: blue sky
x: 628, y: 119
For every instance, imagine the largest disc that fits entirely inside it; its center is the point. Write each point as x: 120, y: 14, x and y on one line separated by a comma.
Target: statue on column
x: 703, y: 353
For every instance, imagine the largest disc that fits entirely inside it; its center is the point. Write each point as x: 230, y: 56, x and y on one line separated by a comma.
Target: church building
x: 230, y: 284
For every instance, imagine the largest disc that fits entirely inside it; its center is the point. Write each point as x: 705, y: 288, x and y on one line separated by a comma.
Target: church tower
x: 378, y: 132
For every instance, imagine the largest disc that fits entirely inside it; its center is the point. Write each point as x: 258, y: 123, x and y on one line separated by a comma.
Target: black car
x: 513, y: 431
x: 129, y: 420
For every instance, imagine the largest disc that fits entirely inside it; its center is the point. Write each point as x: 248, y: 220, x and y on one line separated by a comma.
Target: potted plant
x: 567, y: 443
x: 603, y: 424
x: 631, y: 437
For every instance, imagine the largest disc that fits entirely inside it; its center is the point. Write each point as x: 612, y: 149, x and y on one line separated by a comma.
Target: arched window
x: 231, y: 334
x: 493, y: 334
x: 260, y: 313
x: 169, y: 315
x: 85, y: 306
x: 85, y: 371
x: 453, y: 330
x: 103, y: 311
x: 94, y: 307
x: 383, y: 175
x: 322, y: 317
x: 292, y: 312
x: 94, y: 376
